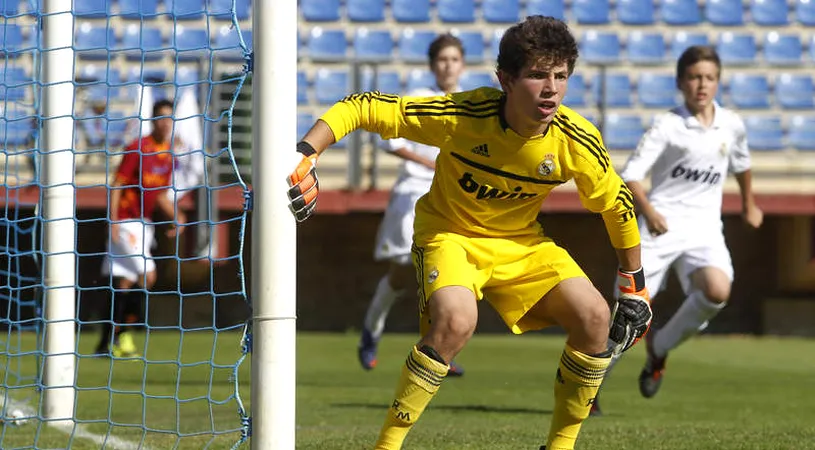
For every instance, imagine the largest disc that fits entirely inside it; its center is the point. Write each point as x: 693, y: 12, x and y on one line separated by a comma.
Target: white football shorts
x: 395, y: 235
x: 130, y: 256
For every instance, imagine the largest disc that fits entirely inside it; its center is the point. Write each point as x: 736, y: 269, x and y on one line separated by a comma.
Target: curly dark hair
x: 537, y: 39
x: 693, y: 55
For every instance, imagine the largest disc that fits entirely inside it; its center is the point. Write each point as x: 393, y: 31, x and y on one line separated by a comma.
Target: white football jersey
x: 689, y: 162
x: 414, y: 177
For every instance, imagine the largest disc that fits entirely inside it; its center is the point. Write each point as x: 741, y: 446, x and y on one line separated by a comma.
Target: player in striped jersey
x: 476, y: 234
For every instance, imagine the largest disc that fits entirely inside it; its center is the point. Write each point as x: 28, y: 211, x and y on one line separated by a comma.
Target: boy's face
x: 699, y: 84
x: 163, y: 126
x: 537, y: 91
x: 447, y: 67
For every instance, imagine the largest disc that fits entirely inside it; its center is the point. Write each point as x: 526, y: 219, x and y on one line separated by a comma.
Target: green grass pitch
x: 719, y: 393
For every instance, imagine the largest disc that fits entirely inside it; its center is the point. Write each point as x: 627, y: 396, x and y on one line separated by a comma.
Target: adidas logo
x: 481, y: 150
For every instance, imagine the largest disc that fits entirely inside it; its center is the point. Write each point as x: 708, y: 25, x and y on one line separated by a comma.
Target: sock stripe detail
x: 422, y: 372
x: 583, y: 372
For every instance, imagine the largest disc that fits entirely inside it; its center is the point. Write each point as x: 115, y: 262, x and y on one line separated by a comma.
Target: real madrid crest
x: 547, y: 166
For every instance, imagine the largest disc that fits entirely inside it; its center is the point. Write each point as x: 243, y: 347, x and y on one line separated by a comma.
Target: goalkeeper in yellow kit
x: 476, y: 235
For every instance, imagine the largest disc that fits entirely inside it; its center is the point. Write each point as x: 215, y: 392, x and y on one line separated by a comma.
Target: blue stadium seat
x: 331, y: 86
x: 304, y: 123
x: 366, y: 10
x: 684, y: 39
x: 372, y: 45
x: 94, y: 42
x: 413, y: 45
x: 577, y: 92
x: 139, y: 9
x: 456, y: 11
x: 191, y: 44
x: 11, y: 40
x: 681, y: 12
x: 15, y: 83
x: 783, y: 49
x: 554, y: 8
x: 805, y: 12
x: 617, y: 90
x: 795, y: 91
x: 749, y: 91
x: 657, y: 90
x: 495, y: 42
x: 622, y: 131
x: 645, y: 48
x: 635, y: 12
x: 387, y: 81
x: 302, y: 88
x: 591, y: 12
x: 473, y: 79
x: 724, y: 12
x: 411, y: 11
x: 600, y: 47
x: 420, y: 78
x: 90, y: 9
x: 143, y: 41
x: 802, y: 132
x: 116, y: 133
x: 227, y: 44
x: 93, y: 73
x: 501, y: 11
x: 473, y: 42
x: 222, y: 9
x: 736, y: 48
x: 320, y: 10
x: 764, y: 132
x: 186, y: 9
x: 186, y: 76
x: 9, y: 8
x: 769, y: 12
x: 327, y: 45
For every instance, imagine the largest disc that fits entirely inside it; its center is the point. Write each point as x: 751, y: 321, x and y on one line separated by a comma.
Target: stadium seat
x: 805, y: 12
x: 11, y: 40
x: 14, y: 83
x: 140, y: 9
x: 622, y: 131
x: 617, y: 90
x: 187, y: 75
x: 577, y: 92
x: 600, y: 47
x: 736, y: 48
x: 10, y: 8
x: 387, y: 81
x: 186, y: 9
x: 764, y: 132
x: 795, y: 91
x: 473, y: 42
x: 227, y: 44
x: 413, y: 45
x: 94, y: 42
x: 554, y: 8
x: 320, y: 10
x: 366, y: 10
x: 145, y: 75
x: 591, y: 12
x: 331, y: 86
x: 495, y: 42
x: 456, y: 11
x: 90, y: 9
x: 327, y: 45
x: 372, y: 45
x: 501, y: 11
x: 783, y: 49
x: 802, y: 132
x: 645, y: 48
x: 116, y: 133
x: 635, y: 12
x: 681, y: 12
x: 724, y: 12
x: 411, y: 11
x: 683, y: 39
x: 142, y: 42
x: 657, y: 90
x: 473, y: 79
x: 94, y: 73
x: 419, y: 78
x: 302, y: 88
x: 749, y: 91
x: 304, y: 123
x: 769, y: 12
x: 191, y: 44
x: 222, y: 9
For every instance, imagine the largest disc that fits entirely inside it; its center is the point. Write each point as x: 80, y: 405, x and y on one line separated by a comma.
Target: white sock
x: 691, y: 317
x: 384, y: 297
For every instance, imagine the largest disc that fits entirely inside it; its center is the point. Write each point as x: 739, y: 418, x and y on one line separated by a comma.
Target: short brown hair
x: 538, y: 38
x: 163, y: 103
x: 442, y: 42
x: 695, y: 54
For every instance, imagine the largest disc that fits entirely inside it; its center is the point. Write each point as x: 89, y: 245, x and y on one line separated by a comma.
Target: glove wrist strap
x: 305, y: 148
x: 638, y: 277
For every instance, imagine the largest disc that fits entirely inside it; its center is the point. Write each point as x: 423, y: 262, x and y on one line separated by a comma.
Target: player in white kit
x: 395, y: 236
x: 688, y: 152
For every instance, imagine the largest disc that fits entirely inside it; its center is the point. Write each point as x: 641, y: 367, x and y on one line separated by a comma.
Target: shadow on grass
x: 471, y: 408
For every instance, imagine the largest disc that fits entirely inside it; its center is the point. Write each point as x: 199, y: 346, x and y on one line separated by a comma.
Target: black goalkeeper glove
x: 631, y: 315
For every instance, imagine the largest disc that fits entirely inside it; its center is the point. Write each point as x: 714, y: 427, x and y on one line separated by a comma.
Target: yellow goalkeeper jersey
x: 490, y: 181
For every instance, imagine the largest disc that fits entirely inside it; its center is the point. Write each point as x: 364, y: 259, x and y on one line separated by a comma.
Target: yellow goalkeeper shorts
x: 512, y: 274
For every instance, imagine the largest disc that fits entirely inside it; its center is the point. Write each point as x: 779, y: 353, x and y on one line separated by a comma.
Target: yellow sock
x: 578, y: 379
x: 419, y: 382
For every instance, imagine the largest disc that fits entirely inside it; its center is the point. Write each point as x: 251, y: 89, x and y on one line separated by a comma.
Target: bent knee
x: 597, y: 316
x: 717, y: 295
x: 456, y: 327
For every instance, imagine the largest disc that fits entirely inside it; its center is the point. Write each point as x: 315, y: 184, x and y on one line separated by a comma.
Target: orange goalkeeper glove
x: 631, y: 315
x: 303, y: 183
